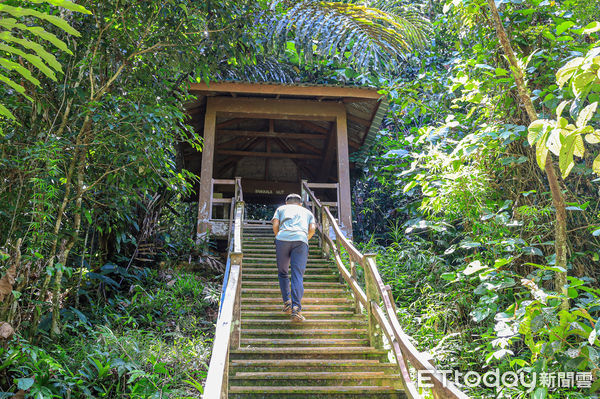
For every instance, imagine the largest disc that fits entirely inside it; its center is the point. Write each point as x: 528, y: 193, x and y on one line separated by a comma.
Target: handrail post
x: 353, y: 273
x: 236, y: 259
x: 303, y: 192
x: 375, y: 337
x: 325, y: 231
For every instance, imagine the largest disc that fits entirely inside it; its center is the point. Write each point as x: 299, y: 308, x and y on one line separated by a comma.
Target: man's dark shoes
x: 287, y: 307
x: 296, y: 315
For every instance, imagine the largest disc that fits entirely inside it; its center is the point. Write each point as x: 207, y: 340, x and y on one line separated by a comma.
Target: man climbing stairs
x: 326, y: 356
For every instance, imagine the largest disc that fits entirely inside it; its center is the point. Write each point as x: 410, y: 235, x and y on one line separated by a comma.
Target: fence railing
x: 378, y: 301
x: 224, y: 202
x: 227, y: 332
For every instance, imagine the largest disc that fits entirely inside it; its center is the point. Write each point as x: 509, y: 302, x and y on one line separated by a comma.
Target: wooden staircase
x: 326, y: 356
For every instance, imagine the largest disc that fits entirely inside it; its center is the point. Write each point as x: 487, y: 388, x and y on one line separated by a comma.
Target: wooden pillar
x: 206, y: 173
x: 345, y: 205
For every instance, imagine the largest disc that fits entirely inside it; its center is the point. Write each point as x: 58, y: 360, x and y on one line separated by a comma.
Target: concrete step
x: 305, y: 325
x: 306, y: 307
x: 276, y: 299
x: 313, y: 378
x: 311, y: 365
x: 273, y: 266
x: 256, y: 269
x: 356, y: 333
x: 308, y: 292
x: 317, y: 392
x: 272, y: 278
x: 294, y: 342
x: 306, y: 284
x: 276, y: 315
x: 300, y: 352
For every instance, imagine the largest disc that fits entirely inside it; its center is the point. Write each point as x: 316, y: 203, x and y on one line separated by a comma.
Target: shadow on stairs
x: 326, y: 356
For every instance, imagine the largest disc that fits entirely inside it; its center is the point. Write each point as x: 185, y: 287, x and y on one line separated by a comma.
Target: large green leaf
x: 565, y: 159
x: 17, y: 87
x: 27, y: 12
x: 33, y: 59
x: 566, y: 72
x: 64, y: 4
x: 11, y: 23
x: 13, y: 66
x: 35, y: 47
x: 586, y: 114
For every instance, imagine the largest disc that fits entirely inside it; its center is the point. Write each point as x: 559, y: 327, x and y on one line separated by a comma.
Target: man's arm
x: 312, y: 228
x: 275, y: 222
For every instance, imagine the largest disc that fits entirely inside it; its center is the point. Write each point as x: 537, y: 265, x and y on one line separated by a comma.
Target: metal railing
x: 227, y: 332
x: 379, y: 304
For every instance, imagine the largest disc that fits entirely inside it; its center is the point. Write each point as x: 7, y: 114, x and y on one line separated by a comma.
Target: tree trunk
x: 558, y: 200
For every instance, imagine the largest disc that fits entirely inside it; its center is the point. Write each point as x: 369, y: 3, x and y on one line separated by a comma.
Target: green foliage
x: 146, y: 343
x: 364, y: 35
x: 560, y: 137
x: 18, y: 38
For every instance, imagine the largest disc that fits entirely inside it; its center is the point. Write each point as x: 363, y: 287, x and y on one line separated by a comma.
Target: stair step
x: 321, y: 352
x: 265, y: 307
x: 305, y: 333
x: 273, y: 269
x: 313, y: 300
x: 311, y: 365
x: 308, y: 277
x: 370, y: 364
x: 308, y: 292
x: 307, y: 284
x: 314, y: 378
x: 292, y: 392
x: 287, y: 342
x: 307, y: 313
x: 265, y: 260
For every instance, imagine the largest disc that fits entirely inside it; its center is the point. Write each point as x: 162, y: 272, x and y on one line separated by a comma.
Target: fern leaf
x: 26, y: 12
x: 64, y: 4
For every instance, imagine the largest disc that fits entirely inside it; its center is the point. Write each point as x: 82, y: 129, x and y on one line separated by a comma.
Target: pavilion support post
x: 206, y: 173
x: 345, y: 205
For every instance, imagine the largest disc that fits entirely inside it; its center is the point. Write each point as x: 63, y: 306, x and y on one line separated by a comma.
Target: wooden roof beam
x: 277, y: 109
x: 252, y: 133
x: 268, y: 154
x: 286, y: 90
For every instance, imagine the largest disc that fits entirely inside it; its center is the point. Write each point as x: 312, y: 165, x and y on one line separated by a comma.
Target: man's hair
x: 293, y: 198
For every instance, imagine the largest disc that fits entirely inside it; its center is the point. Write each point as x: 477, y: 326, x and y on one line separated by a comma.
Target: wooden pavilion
x: 270, y: 137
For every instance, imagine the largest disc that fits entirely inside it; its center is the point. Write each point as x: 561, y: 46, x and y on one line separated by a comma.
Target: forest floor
x: 151, y: 337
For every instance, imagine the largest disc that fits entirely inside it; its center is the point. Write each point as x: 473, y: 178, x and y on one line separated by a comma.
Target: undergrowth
x: 151, y: 338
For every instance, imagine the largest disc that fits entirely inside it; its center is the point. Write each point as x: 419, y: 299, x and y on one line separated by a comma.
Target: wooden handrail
x: 227, y: 332
x: 385, y: 319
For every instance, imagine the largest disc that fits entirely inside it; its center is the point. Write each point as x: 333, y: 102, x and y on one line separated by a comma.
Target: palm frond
x: 27, y: 47
x: 367, y: 35
x: 265, y: 69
